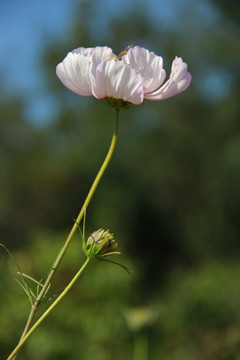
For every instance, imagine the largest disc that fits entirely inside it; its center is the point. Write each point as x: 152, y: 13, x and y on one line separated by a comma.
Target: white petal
x: 73, y: 71
x: 84, y: 51
x: 149, y: 65
x: 118, y: 80
x: 100, y: 54
x: 179, y: 81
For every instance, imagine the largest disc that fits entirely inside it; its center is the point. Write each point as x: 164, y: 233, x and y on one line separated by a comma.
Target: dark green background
x: 170, y: 195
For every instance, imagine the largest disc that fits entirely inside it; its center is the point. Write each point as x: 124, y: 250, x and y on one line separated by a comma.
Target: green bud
x: 100, y: 244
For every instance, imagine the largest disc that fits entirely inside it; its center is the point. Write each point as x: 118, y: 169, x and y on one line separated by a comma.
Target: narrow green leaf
x: 129, y: 271
x: 111, y: 253
x: 32, y: 279
x: 25, y: 290
x: 17, y: 266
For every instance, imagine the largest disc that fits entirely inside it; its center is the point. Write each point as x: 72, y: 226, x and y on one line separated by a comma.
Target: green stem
x: 51, y: 307
x: 84, y: 207
x: 27, y: 326
x: 29, y: 321
x: 75, y: 226
x: 140, y: 348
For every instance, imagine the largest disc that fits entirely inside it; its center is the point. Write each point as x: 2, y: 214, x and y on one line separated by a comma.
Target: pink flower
x: 134, y: 75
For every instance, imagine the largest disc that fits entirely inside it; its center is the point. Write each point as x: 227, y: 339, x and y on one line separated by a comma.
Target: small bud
x: 100, y: 244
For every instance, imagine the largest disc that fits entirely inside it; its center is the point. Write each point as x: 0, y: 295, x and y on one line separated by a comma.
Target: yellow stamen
x: 113, y: 58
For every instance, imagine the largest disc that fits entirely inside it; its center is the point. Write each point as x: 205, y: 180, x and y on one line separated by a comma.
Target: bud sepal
x: 101, y: 243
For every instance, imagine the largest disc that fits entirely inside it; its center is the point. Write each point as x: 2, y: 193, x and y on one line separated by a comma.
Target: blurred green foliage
x: 170, y: 195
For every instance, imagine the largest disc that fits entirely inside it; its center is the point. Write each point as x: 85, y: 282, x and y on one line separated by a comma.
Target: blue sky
x: 23, y: 27
x: 26, y: 24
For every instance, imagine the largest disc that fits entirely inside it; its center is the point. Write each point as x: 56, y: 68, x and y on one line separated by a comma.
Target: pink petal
x: 118, y: 80
x: 84, y: 51
x: 100, y: 54
x: 149, y: 65
x: 179, y: 81
x: 78, y: 70
x: 73, y: 72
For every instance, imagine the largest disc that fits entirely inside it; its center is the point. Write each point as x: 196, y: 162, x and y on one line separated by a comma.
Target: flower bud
x: 100, y: 244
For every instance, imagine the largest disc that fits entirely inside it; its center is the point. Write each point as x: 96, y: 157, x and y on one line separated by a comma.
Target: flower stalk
x: 140, y: 347
x: 45, y: 314
x: 58, y: 260
x: 129, y: 78
x: 82, y: 211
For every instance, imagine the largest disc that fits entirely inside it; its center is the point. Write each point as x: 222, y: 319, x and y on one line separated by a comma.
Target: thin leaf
x: 32, y: 293
x: 44, y: 300
x: 111, y: 253
x: 82, y: 232
x: 17, y: 266
x: 45, y: 294
x: 32, y: 279
x: 38, y: 286
x: 22, y: 286
x: 129, y: 271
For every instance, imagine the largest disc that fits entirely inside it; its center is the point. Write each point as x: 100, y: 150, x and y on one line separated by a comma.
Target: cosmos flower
x: 132, y: 76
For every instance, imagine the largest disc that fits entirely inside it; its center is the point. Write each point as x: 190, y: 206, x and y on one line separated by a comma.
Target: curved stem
x: 84, y: 207
x: 45, y: 314
x: 74, y: 228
